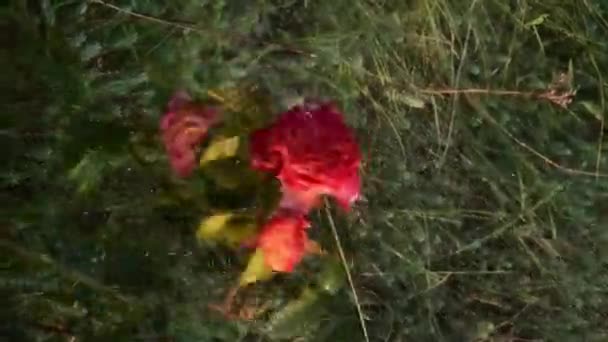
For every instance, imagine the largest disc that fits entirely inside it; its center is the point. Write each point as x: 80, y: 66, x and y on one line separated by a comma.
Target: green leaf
x: 90, y: 51
x: 87, y: 173
x: 49, y: 12
x: 126, y: 40
x: 332, y: 277
x: 124, y: 85
x: 594, y: 109
x: 299, y: 318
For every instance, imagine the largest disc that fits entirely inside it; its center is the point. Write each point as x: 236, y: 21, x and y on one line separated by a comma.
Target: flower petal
x: 283, y: 240
x: 312, y: 152
x: 184, y: 126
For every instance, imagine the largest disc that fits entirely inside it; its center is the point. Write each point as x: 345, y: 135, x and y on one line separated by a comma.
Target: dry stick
x: 347, y: 271
x: 475, y: 91
x: 147, y: 17
x: 190, y: 26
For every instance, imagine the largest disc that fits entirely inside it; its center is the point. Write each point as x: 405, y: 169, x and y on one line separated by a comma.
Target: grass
x: 483, y: 217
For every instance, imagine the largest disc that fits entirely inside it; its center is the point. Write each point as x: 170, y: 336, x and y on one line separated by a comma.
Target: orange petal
x: 283, y: 240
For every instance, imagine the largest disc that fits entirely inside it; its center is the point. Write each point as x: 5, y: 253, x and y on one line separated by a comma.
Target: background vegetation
x: 484, y: 218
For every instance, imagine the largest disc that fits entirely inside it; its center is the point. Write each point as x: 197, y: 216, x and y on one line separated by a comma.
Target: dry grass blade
x: 351, y: 283
x: 185, y: 26
x: 571, y: 171
x: 73, y: 275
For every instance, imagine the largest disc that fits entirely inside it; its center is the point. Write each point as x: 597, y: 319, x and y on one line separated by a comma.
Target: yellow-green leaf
x: 219, y: 149
x: 212, y: 226
x: 405, y: 98
x: 594, y: 109
x: 537, y: 21
x: 227, y: 228
x: 256, y: 270
x: 239, y: 232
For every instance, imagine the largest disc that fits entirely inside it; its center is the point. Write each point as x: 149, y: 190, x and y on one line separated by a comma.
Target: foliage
x: 484, y: 213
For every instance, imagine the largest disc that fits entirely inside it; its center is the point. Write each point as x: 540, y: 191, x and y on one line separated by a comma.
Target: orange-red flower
x: 185, y: 125
x: 283, y: 240
x: 312, y: 152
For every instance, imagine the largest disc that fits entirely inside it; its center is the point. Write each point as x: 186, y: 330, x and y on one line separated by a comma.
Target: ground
x: 484, y: 212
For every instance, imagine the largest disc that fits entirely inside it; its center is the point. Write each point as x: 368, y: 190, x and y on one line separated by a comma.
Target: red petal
x: 283, y: 240
x: 183, y: 127
x: 312, y: 152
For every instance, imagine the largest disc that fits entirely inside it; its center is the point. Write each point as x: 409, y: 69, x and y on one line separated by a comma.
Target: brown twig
x: 226, y: 307
x: 54, y: 329
x: 555, y: 96
x: 449, y: 91
x: 559, y: 92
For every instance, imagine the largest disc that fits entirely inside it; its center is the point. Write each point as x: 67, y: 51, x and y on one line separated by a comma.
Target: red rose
x: 312, y: 152
x: 283, y: 240
x: 185, y: 125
